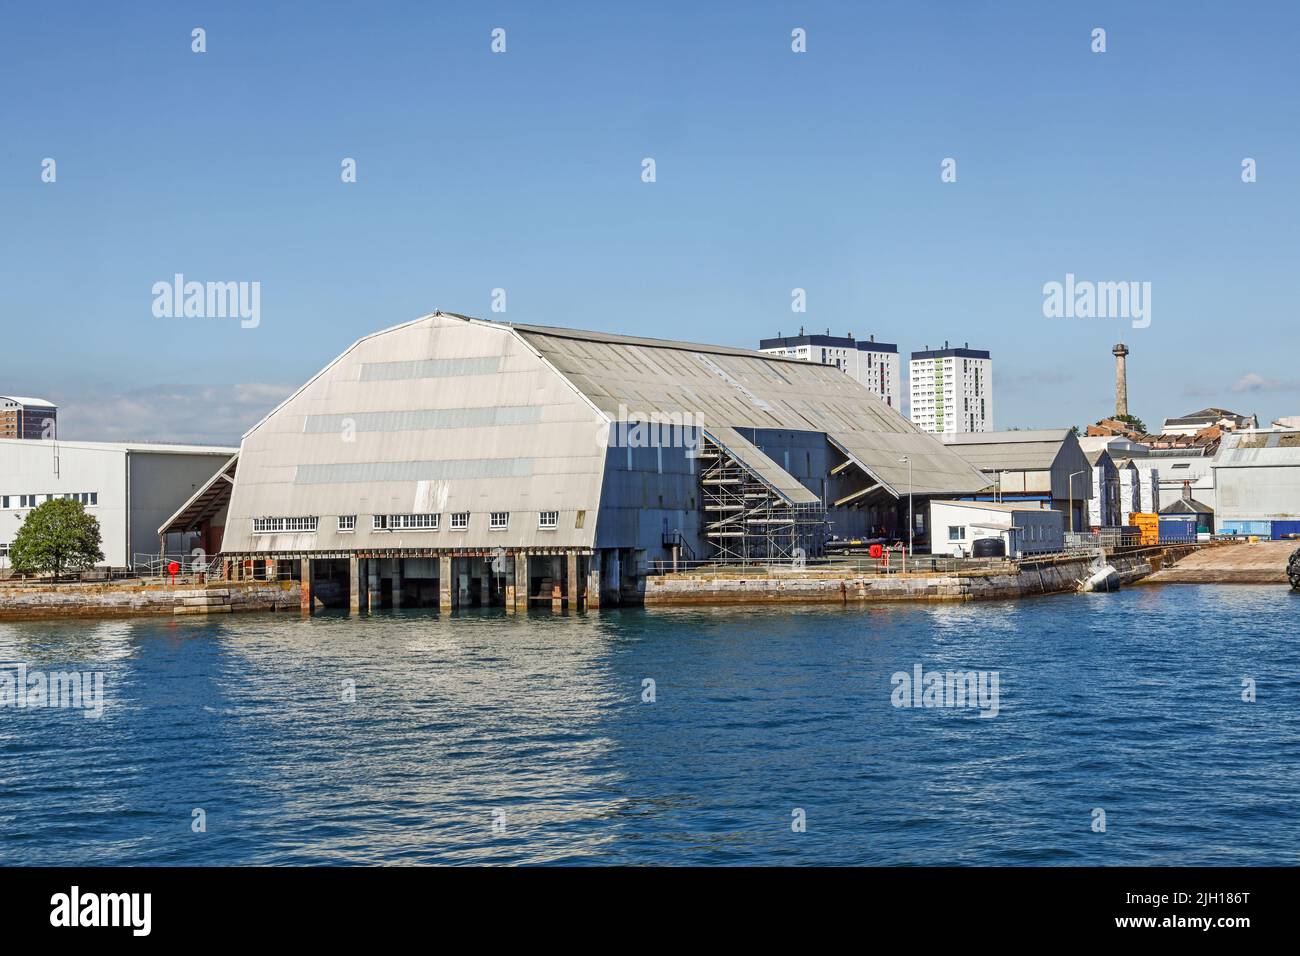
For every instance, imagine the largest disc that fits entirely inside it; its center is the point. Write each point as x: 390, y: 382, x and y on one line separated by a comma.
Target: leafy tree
x: 1134, y: 421
x: 57, y: 536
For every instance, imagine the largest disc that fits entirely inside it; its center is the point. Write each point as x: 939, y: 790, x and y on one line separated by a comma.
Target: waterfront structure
x: 28, y: 418
x: 1257, y: 483
x: 1194, y: 422
x: 129, y: 487
x: 1025, y: 527
x: 1041, y: 465
x: 951, y: 390
x: 1120, y: 352
x: 452, y: 460
x: 872, y: 364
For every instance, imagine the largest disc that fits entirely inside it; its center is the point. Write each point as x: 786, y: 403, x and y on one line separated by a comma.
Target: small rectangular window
x: 548, y: 520
x: 379, y: 522
x: 459, y: 520
x: 347, y: 523
x: 500, y: 521
x: 956, y: 532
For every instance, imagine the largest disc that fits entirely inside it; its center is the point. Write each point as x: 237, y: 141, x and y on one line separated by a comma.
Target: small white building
x: 131, y: 488
x: 1024, y: 527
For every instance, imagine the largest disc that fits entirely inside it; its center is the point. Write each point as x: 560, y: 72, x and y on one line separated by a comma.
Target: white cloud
x: 1254, y: 382
x: 200, y: 414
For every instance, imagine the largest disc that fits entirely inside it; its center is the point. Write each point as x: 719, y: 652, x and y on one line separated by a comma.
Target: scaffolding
x: 747, y: 521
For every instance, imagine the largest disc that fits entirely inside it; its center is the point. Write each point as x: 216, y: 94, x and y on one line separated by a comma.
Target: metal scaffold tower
x: 747, y: 521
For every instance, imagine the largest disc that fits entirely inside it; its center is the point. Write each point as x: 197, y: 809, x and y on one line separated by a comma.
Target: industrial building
x: 130, y: 488
x: 1104, y: 504
x: 870, y: 363
x: 951, y: 390
x: 28, y: 418
x: 1025, y: 528
x: 1199, y: 421
x: 1042, y: 465
x: 1257, y: 484
x: 452, y: 460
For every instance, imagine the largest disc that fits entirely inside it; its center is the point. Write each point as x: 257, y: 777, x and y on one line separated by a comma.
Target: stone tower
x: 1121, y: 379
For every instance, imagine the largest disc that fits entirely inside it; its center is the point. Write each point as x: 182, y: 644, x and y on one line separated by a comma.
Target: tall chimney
x: 1121, y: 379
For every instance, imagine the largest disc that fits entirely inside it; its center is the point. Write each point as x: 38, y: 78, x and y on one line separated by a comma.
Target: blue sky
x: 522, y: 171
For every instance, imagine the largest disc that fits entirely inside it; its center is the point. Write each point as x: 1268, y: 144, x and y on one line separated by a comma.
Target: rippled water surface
x: 1130, y: 702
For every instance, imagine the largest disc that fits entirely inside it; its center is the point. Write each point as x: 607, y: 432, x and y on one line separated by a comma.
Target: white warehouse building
x: 130, y: 487
x: 453, y: 461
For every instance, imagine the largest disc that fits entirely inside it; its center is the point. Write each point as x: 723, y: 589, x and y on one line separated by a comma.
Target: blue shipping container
x: 1285, y: 529
x: 1178, y: 528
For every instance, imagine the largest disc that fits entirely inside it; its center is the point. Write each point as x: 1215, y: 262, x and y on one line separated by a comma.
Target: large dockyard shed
x: 1257, y: 483
x: 452, y: 460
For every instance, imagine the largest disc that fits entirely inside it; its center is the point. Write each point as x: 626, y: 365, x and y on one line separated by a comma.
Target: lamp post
x: 1072, y: 474
x: 911, y: 522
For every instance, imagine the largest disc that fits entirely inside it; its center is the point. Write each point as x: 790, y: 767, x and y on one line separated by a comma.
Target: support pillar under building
x: 571, y: 585
x: 305, y: 586
x: 593, y: 581
x: 375, y: 595
x: 354, y: 585
x: 397, y: 582
x: 522, y: 584
x: 444, y: 584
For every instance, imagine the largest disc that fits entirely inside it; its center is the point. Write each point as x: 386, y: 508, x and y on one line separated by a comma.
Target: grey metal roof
x: 740, y: 388
x: 764, y: 468
x: 1010, y: 451
x: 1256, y: 448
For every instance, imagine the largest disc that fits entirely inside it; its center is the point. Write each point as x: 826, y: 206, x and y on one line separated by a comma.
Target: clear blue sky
x: 523, y: 171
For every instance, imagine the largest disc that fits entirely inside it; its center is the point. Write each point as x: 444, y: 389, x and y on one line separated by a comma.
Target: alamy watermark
x: 1084, y: 299
x: 633, y: 429
x: 77, y: 690
x: 209, y: 300
x: 922, y: 688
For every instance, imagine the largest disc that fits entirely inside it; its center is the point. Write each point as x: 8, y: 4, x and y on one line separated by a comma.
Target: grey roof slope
x: 741, y: 388
x: 1034, y: 450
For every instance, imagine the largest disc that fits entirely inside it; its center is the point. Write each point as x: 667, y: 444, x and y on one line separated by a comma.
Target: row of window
x: 31, y: 501
x: 497, y: 521
x: 276, y: 525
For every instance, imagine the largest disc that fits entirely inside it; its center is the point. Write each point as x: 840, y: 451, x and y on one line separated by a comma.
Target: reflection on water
x: 402, y: 737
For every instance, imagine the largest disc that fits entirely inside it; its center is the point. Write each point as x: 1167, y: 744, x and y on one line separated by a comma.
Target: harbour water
x: 405, y: 738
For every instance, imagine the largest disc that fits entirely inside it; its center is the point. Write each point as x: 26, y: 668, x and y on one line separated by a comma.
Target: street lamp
x: 1072, y: 474
x: 911, y: 522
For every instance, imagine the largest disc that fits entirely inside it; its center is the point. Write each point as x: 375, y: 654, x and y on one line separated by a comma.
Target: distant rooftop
x: 27, y: 402
x: 964, y: 352
x: 827, y: 341
x: 996, y: 505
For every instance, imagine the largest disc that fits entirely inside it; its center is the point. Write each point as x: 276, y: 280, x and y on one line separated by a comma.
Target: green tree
x: 1132, y: 420
x: 57, y: 536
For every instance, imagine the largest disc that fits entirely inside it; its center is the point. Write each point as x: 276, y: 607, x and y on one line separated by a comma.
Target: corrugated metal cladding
x: 639, y: 378
x: 424, y: 418
x: 450, y: 415
x: 768, y: 471
x: 447, y: 416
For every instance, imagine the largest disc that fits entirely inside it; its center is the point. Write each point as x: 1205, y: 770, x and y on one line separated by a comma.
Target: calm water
x: 1128, y: 702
